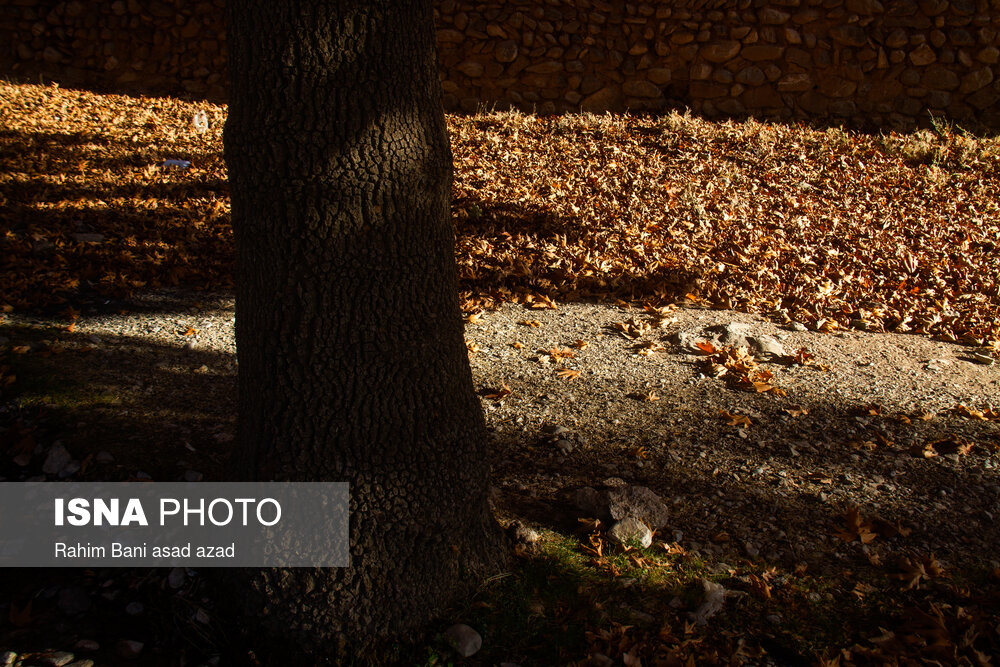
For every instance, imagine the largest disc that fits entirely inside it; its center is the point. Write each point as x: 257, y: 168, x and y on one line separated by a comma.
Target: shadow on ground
x: 164, y: 410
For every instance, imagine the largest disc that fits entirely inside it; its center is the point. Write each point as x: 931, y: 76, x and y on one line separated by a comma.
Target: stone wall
x: 169, y: 47
x: 877, y: 62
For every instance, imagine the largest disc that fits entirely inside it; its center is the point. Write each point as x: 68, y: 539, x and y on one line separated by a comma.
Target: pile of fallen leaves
x: 825, y: 227
x: 830, y: 228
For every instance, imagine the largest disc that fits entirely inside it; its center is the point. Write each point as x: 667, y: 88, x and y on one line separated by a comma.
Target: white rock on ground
x: 631, y: 532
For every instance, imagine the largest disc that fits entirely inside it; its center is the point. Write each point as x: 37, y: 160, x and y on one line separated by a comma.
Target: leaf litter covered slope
x: 580, y: 207
x: 828, y: 228
x: 824, y: 227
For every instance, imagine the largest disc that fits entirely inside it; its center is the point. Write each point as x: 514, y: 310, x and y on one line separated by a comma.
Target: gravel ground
x: 850, y: 430
x: 869, y: 422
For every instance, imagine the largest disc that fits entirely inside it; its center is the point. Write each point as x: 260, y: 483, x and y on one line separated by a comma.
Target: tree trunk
x: 352, y: 363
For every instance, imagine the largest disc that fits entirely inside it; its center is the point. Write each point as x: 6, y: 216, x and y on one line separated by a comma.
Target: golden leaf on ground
x: 734, y: 419
x: 707, y: 348
x: 568, y: 374
x: 579, y: 344
x: 632, y: 329
x: 914, y: 569
x: 501, y: 393
x: 540, y: 302
x: 651, y: 396
x: 558, y: 353
x: 759, y: 587
x: 969, y: 412
x: 534, y: 324
x: 190, y: 331
x: 517, y: 345
x: 855, y: 527
x: 472, y: 346
x: 796, y: 410
x: 473, y: 318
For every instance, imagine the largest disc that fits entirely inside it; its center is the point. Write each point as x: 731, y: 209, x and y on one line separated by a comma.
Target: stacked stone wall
x: 877, y: 62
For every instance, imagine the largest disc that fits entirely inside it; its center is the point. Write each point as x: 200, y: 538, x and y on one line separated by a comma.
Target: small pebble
x: 134, y: 608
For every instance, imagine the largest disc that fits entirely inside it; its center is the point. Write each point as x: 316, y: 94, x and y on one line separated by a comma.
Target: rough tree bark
x: 352, y: 363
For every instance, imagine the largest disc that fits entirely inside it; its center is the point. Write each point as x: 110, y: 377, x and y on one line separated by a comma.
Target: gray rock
x: 766, y: 345
x: 623, y: 501
x: 565, y: 446
x: 57, y: 459
x: 73, y: 600
x: 685, y: 339
x: 714, y: 598
x: 56, y: 659
x: 87, y: 645
x: 798, y: 326
x: 464, y: 639
x: 734, y: 333
x: 523, y: 534
x: 640, y: 502
x: 134, y: 608
x: 631, y: 532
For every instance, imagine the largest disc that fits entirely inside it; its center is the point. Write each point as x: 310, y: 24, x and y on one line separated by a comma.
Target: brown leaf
x: 568, y: 374
x: 707, y: 348
x: 501, y: 393
x: 855, y: 527
x: 734, y: 419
